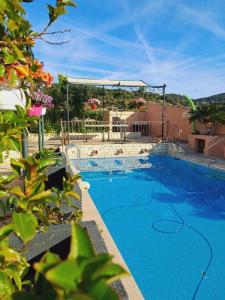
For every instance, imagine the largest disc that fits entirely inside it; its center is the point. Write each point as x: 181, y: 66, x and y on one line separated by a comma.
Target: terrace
x: 109, y: 189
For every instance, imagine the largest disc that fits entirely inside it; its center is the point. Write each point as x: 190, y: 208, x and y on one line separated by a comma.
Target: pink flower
x: 93, y: 101
x: 39, y: 98
x: 140, y: 100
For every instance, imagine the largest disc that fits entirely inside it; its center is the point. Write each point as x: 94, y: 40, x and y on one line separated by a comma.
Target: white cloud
x: 97, y: 52
x: 204, y: 19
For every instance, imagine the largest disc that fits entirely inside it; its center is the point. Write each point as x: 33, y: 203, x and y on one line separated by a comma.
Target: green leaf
x: 20, y: 110
x: 2, y: 70
x: 2, y: 5
x: 12, y: 272
x: 6, y: 286
x: 5, y: 231
x: 91, y: 266
x: 65, y: 275
x: 68, y: 3
x: 47, y: 261
x: 16, y: 190
x: 40, y: 196
x: 17, y: 165
x: 44, y: 163
x: 9, y: 255
x: 15, y: 144
x: 80, y: 243
x: 17, y: 51
x: 79, y: 296
x: 12, y: 25
x: 110, y: 272
x: 60, y: 10
x: 25, y: 225
x: 13, y: 78
x: 1, y: 157
x: 3, y: 194
x: 9, y: 116
x: 9, y: 59
x: 51, y: 13
x: 101, y: 291
x: 73, y: 194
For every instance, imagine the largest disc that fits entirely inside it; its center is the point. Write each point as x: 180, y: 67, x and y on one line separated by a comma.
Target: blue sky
x: 178, y: 42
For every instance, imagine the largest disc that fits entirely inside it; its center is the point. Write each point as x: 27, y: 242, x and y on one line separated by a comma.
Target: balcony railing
x: 149, y: 131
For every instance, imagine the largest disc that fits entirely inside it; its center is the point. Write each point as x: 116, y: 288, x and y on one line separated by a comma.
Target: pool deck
x: 208, y: 161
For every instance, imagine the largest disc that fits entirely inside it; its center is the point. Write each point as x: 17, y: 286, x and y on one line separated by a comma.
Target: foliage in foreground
x: 83, y: 275
x: 27, y: 208
x: 11, y: 125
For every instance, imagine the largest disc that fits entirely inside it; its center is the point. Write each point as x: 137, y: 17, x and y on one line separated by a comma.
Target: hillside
x: 218, y: 98
x: 178, y: 99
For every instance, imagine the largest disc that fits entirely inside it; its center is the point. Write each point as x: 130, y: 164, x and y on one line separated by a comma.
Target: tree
x: 207, y: 113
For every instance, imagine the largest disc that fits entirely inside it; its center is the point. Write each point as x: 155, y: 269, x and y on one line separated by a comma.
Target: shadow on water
x: 208, y: 206
x: 193, y: 186
x: 204, y: 205
x: 212, y: 215
x: 166, y: 197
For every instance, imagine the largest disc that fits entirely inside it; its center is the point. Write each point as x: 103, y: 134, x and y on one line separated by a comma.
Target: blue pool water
x: 168, y: 221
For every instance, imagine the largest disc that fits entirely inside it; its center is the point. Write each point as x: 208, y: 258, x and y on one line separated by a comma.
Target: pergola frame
x: 111, y: 84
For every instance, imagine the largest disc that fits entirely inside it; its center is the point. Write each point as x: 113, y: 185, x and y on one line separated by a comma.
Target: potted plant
x: 93, y: 102
x: 209, y: 115
x: 40, y: 102
x: 140, y: 103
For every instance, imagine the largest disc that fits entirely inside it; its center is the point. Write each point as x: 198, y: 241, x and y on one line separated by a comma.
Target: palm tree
x: 208, y: 113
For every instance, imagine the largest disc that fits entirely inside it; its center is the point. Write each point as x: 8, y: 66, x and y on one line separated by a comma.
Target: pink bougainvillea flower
x: 39, y: 98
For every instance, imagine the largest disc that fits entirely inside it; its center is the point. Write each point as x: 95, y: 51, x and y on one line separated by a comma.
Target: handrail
x: 78, y: 153
x: 85, y: 129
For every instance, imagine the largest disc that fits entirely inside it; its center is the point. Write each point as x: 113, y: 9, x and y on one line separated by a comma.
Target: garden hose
x: 181, y: 225
x: 128, y: 206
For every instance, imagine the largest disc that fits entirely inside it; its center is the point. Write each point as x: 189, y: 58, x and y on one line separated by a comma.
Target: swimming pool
x: 168, y: 221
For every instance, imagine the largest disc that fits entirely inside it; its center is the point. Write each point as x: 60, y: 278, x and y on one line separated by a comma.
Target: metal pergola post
x: 24, y: 143
x: 68, y: 110
x: 39, y: 135
x: 103, y: 104
x: 163, y: 109
x: 163, y: 87
x: 42, y: 132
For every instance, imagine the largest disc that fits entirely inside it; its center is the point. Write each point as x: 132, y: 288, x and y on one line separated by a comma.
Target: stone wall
x: 123, y: 150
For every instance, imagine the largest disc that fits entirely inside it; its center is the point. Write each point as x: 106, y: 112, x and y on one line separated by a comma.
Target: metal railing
x: 119, y: 131
x: 70, y: 146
